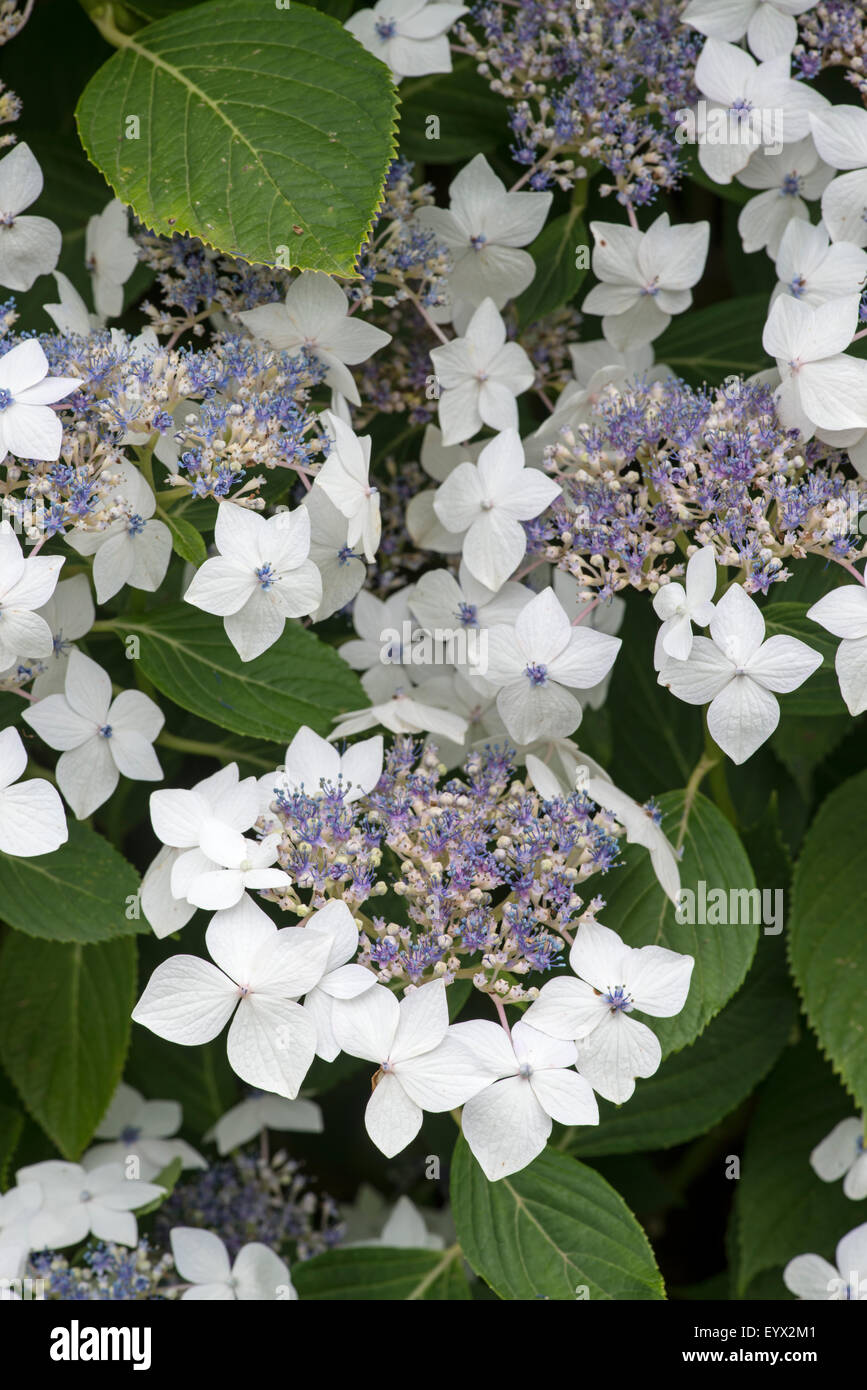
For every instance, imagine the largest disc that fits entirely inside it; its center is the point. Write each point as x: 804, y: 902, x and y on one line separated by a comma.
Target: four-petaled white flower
x: 202, y: 1260
x: 341, y: 980
x: 218, y: 874
x: 29, y: 427
x: 57, y: 1203
x: 261, y: 577
x: 594, y: 1010
x: 843, y: 612
x: 487, y: 501
x: 142, y: 1129
x: 813, y: 269
x: 840, y: 134
x: 842, y: 1154
x: 811, y: 1278
x: 789, y: 179
x: 483, y: 229
x: 422, y: 522
x: 739, y: 673
x: 32, y: 819
x: 134, y: 550
x: 534, y: 1082
x: 313, y: 766
x: 345, y: 478
x: 29, y: 246
x: 679, y: 607
x: 410, y: 36
x: 645, y: 277
x: 178, y: 816
x: 111, y: 256
x: 261, y: 1111
x: 768, y: 24
x: 421, y: 1065
x: 480, y: 374
x: 400, y: 711
x: 315, y: 318
x: 534, y: 660
x: 99, y: 738
x: 260, y: 973
x: 760, y: 105
x: 821, y: 385
x: 26, y: 585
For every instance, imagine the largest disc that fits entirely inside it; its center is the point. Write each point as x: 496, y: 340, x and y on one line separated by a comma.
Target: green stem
x: 221, y: 751
x: 717, y: 779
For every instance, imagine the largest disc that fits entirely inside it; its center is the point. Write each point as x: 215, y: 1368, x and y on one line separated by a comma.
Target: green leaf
x: 77, y: 893
x: 11, y: 1125
x: 551, y: 1231
x: 468, y: 118
x: 186, y: 540
x: 782, y: 1208
x: 827, y: 940
x: 557, y: 277
x: 637, y: 908
x: 698, y: 1087
x: 802, y: 742
x: 820, y: 695
x: 64, y: 1027
x: 722, y: 340
x: 383, y: 1274
x: 253, y: 121
x: 300, y: 680
x: 167, y: 1177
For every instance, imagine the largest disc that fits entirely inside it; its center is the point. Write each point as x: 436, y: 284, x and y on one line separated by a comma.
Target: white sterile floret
x: 313, y: 766
x: 744, y: 95
x: 261, y: 576
x: 535, y: 659
x: 99, y: 738
x: 410, y: 36
x: 769, y: 25
x: 29, y: 246
x: 740, y: 673
x: 480, y: 374
x: 134, y: 550
x: 178, y: 816
x: 812, y: 1279
x: 234, y: 865
x: 842, y: 1154
x: 142, y: 1129
x: 483, y: 230
x: 487, y: 501
x: 843, y: 612
x: 344, y: 478
x: 261, y: 1111
x: 787, y: 178
x: 259, y: 974
x: 402, y: 710
x: 594, y: 1010
x: 32, y: 819
x: 645, y: 277
x: 315, y: 318
x: 405, y: 1228
x: 342, y: 978
x: 55, y: 1203
x: 422, y: 1066
x: 29, y: 427
x: 111, y: 256
x: 422, y: 522
x: 821, y: 385
x: 26, y: 585
x: 840, y: 134
x: 202, y: 1261
x: 533, y: 1082
x: 680, y: 607
x: 69, y: 614
x: 814, y: 269
x: 71, y: 315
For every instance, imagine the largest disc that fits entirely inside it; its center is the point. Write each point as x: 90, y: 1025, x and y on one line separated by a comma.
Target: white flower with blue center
x: 813, y: 1279
x: 29, y: 246
x: 133, y: 1127
x: 201, y: 1258
x: 644, y: 277
x: 594, y: 1011
x: 55, y: 1203
x: 842, y: 1154
x: 261, y: 576
x: 133, y: 550
x: 410, y: 36
x: 29, y: 427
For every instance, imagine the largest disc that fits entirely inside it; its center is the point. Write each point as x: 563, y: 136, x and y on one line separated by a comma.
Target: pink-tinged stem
x: 584, y: 611
x: 38, y: 546
x: 630, y: 213
x: 528, y: 569
x: 501, y: 1013
x: 25, y: 694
